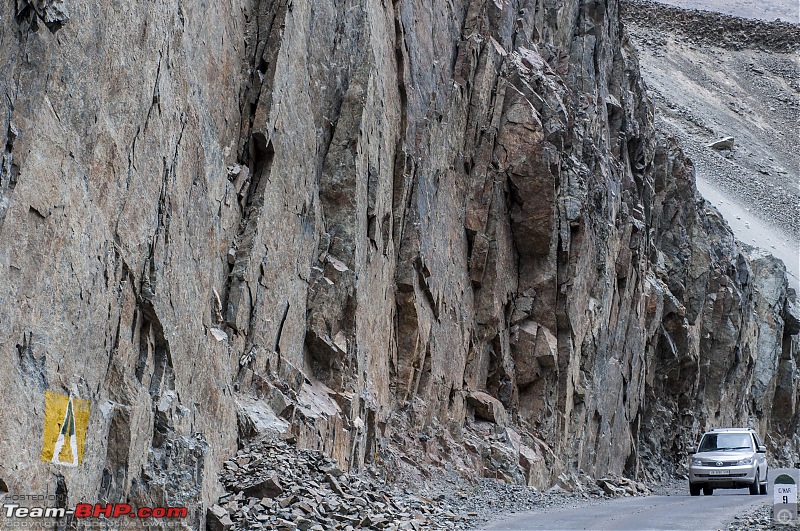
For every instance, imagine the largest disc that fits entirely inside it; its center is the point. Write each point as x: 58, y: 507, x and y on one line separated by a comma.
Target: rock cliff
x: 404, y: 233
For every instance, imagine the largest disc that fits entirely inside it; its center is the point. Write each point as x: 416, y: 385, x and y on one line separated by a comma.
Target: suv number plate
x: 719, y: 472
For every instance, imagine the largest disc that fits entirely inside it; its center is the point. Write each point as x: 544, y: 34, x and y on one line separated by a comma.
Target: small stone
x: 217, y: 519
x: 337, y: 488
x: 286, y: 502
x: 268, y: 487
x: 331, y: 469
x: 303, y: 524
x: 722, y: 144
x: 219, y: 335
x: 285, y: 525
x: 267, y: 503
x: 305, y: 507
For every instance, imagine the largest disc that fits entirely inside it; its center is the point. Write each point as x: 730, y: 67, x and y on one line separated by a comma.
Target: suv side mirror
x: 762, y: 449
x: 692, y: 452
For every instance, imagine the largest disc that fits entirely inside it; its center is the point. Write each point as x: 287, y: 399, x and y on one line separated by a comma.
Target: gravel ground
x: 487, y: 500
x: 759, y: 519
x: 484, y: 500
x: 490, y: 500
x: 672, y: 487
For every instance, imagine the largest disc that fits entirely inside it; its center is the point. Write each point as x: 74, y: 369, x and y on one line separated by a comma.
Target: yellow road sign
x: 65, y: 421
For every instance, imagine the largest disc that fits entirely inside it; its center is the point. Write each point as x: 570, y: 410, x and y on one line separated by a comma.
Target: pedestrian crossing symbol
x: 65, y: 422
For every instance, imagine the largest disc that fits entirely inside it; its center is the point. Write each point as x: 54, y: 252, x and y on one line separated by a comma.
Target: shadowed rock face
x: 338, y: 220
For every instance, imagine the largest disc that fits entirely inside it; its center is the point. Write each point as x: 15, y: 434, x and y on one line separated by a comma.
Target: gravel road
x: 650, y: 512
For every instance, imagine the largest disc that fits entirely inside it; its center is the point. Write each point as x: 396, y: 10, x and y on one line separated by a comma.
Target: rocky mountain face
x: 410, y: 234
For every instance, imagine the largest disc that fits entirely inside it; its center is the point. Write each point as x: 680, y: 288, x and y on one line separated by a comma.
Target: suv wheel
x: 755, y: 487
x: 694, y: 490
x: 708, y: 491
x: 762, y: 489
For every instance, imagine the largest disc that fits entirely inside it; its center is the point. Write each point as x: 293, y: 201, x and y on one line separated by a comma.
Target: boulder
x: 487, y: 407
x: 722, y: 144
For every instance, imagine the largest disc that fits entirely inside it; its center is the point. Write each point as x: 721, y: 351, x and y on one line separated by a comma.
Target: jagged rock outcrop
x: 726, y: 349
x: 339, y: 220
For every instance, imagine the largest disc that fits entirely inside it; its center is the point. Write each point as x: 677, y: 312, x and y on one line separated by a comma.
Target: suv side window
x: 755, y: 440
x: 758, y: 441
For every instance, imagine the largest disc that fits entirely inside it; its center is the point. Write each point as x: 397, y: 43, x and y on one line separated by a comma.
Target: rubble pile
x: 274, y: 485
x: 620, y: 486
x: 611, y: 486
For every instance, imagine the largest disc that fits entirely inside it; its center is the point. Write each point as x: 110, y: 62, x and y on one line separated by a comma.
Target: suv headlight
x: 746, y: 461
x: 697, y: 462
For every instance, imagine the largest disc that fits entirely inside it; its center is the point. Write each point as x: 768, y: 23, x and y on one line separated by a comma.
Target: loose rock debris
x: 274, y: 485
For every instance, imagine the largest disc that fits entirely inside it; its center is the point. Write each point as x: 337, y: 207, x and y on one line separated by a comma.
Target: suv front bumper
x: 743, y: 475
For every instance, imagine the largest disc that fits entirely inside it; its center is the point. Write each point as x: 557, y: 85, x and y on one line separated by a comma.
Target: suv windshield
x: 725, y: 441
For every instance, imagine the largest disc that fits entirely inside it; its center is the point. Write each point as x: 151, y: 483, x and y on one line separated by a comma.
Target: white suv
x: 729, y: 458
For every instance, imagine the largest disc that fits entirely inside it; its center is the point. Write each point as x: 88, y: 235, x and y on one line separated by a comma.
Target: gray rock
x: 722, y: 144
x: 217, y: 519
x: 487, y: 407
x: 269, y: 487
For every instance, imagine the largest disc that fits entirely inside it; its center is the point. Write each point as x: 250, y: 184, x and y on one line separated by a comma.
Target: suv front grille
x: 724, y: 463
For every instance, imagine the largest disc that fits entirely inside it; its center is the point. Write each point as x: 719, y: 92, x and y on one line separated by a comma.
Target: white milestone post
x: 784, y: 497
